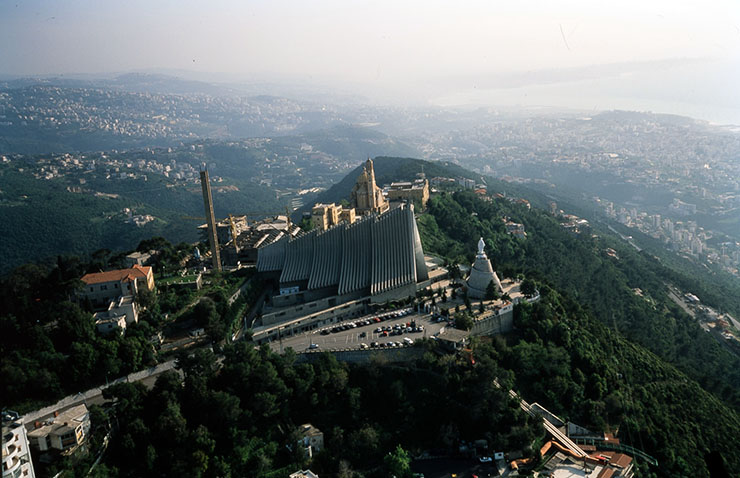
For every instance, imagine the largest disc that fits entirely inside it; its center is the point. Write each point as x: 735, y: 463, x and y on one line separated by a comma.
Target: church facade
x: 367, y: 197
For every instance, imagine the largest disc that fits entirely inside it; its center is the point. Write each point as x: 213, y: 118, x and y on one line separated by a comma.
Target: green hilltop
x: 647, y: 367
x: 592, y: 350
x: 660, y: 337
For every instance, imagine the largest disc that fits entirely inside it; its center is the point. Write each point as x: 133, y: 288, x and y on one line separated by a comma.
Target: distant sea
x: 706, y: 91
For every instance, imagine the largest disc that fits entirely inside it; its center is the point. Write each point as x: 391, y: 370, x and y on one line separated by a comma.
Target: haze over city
x: 364, y: 239
x: 669, y: 57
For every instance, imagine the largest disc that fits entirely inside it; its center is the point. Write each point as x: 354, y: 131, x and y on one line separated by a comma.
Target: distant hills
x: 53, y: 115
x: 133, y: 82
x: 52, y: 204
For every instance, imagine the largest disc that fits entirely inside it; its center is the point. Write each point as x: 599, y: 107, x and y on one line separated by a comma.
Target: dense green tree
x: 398, y: 463
x: 491, y: 291
x: 463, y: 321
x: 528, y: 287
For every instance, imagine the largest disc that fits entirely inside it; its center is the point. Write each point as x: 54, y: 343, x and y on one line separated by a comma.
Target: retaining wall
x: 405, y: 354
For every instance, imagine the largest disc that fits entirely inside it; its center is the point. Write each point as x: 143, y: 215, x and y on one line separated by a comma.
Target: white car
x: 313, y: 346
x: 485, y: 459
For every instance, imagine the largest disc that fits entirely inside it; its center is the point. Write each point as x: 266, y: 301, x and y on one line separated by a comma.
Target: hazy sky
x: 442, y: 51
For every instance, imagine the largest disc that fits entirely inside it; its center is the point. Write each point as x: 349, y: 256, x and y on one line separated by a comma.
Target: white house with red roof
x: 104, y: 287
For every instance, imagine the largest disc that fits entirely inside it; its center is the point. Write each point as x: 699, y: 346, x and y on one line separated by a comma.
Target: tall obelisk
x: 205, y: 184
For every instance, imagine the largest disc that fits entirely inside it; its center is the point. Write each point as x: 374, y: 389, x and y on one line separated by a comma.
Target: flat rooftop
x: 66, y: 421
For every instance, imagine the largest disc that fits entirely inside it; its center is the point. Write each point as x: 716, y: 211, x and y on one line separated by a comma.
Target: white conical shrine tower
x: 481, y: 274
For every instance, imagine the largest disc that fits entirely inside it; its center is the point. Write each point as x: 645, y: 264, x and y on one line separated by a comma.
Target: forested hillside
x: 564, y: 359
x: 603, y: 286
x: 579, y: 266
x: 592, y: 350
x: 49, y: 342
x: 715, y: 287
x: 239, y: 415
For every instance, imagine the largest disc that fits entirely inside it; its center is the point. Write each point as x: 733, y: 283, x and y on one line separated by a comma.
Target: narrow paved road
x: 95, y: 395
x: 713, y: 332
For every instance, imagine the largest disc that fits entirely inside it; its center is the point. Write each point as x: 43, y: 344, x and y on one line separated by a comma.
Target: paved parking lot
x: 365, y: 330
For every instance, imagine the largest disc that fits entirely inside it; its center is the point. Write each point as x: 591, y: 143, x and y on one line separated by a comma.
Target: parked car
x: 485, y: 459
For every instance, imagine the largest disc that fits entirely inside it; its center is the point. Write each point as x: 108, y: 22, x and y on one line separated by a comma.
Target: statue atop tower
x: 481, y: 274
x: 367, y: 197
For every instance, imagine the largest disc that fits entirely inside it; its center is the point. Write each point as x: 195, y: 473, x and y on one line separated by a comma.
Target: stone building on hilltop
x: 416, y: 191
x: 366, y: 196
x: 324, y: 216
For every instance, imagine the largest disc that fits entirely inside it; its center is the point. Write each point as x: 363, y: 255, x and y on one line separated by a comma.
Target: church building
x: 367, y: 197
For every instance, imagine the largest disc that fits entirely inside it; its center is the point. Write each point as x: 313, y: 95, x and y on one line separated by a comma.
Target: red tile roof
x: 136, y: 272
x: 606, y: 473
x: 621, y: 460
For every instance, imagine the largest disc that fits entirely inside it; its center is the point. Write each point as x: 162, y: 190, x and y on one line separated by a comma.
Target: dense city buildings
x: 679, y: 233
x: 358, y: 285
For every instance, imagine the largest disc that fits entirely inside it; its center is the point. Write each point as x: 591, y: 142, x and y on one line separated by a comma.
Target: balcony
x: 11, y: 467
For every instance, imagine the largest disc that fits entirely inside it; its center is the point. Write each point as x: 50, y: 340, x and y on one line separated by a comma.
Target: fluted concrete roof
x: 327, y: 259
x: 357, y: 241
x: 377, y: 253
x: 271, y: 258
